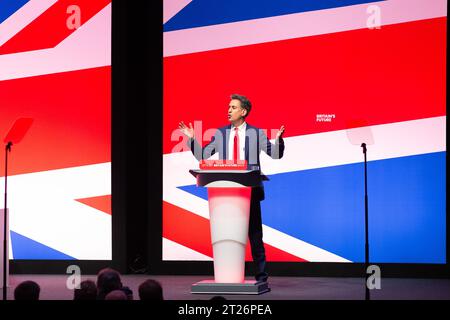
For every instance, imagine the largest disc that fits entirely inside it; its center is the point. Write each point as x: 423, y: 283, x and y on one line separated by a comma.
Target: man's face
x: 235, y: 111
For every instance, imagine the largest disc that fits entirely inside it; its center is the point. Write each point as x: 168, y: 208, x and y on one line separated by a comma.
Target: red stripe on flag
x: 187, y: 229
x: 50, y: 28
x: 102, y: 203
x: 192, y: 231
x: 275, y: 254
x: 393, y: 74
x: 72, y: 119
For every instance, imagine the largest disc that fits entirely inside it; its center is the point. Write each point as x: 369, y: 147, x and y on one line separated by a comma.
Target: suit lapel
x: 247, y: 143
x: 225, y: 145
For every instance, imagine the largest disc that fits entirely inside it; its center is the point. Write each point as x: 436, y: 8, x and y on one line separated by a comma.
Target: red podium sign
x: 223, y: 164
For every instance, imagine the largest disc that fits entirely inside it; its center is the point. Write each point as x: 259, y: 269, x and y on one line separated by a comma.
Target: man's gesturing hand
x: 187, y: 131
x: 280, y: 132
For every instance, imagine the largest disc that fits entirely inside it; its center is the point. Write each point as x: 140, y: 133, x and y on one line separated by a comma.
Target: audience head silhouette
x: 116, y: 295
x: 108, y: 287
x: 150, y: 290
x: 87, y: 291
x: 27, y: 290
x: 107, y: 280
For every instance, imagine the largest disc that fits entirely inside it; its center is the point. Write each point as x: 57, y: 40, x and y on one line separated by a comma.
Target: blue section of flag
x: 325, y: 207
x: 8, y: 7
x: 201, y: 13
x: 200, y: 192
x: 25, y: 248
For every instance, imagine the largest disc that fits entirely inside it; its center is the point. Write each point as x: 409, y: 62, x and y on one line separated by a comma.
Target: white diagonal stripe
x: 44, y: 209
x: 175, y: 251
x: 298, y: 247
x: 334, y: 148
x: 297, y: 25
x: 88, y: 47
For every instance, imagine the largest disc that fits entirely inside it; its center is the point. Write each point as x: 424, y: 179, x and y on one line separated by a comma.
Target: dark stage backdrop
x: 336, y: 74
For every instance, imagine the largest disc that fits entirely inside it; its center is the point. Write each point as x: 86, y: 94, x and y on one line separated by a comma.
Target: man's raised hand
x: 187, y: 131
x: 280, y: 132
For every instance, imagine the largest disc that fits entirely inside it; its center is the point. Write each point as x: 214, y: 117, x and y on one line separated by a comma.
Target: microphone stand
x: 366, y: 219
x: 5, y: 230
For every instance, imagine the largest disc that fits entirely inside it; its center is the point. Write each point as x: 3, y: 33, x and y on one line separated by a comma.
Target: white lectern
x: 229, y: 195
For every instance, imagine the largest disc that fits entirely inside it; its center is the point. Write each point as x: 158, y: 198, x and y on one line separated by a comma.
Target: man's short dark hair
x: 27, y: 290
x: 87, y: 291
x: 150, y: 290
x: 245, y: 103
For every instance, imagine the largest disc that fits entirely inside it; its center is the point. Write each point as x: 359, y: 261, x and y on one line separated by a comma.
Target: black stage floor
x: 53, y: 287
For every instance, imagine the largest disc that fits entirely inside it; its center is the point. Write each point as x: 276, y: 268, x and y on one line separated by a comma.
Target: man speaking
x: 241, y: 141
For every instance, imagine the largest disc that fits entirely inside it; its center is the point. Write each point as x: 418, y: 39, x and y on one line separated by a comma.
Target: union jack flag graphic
x: 55, y: 67
x: 333, y: 72
x: 314, y: 66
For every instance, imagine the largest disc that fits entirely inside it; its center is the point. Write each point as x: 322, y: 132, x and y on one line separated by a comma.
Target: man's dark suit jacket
x: 255, y: 141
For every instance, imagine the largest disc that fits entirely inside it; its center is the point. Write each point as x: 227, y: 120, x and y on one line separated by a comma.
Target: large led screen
x: 55, y: 67
x: 336, y: 74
